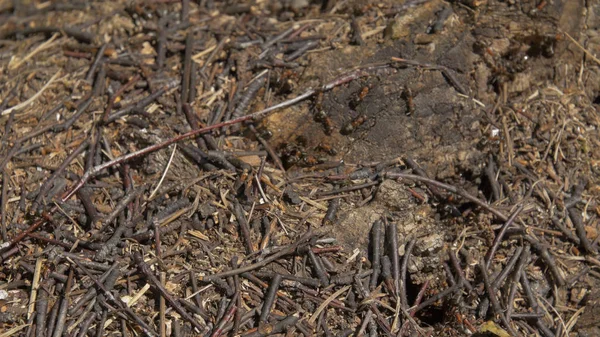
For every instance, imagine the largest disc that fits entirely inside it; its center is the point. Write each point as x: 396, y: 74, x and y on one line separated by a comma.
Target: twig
x: 318, y: 268
x: 405, y: 261
x: 494, y: 299
x: 490, y: 174
x: 285, y: 251
x: 64, y: 304
x: 588, y: 53
x: 575, y: 217
x: 461, y: 274
x: 96, y: 62
x: 3, y: 202
x: 154, y: 282
x: 269, y: 298
x: 523, y: 260
x: 392, y: 251
x: 450, y: 188
x: 162, y: 307
x: 243, y: 224
x: 490, y: 253
x: 376, y: 236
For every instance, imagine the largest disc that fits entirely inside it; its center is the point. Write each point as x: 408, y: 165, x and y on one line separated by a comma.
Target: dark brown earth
x: 498, y: 100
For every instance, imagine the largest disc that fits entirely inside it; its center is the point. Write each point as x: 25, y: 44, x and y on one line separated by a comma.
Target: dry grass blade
x: 325, y: 303
x: 32, y: 98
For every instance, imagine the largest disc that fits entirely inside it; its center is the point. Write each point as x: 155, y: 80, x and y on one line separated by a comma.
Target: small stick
x: 301, y: 51
x: 52, y: 318
x: 285, y: 251
x: 348, y: 189
x: 376, y: 234
x: 386, y: 273
x: 237, y: 318
x: 42, y: 308
x: 575, y: 217
x: 97, y: 60
x: 509, y: 266
x: 318, y: 268
x: 291, y: 280
x: 226, y: 318
x: 461, y: 274
x: 210, y: 58
x: 3, y: 202
x: 64, y: 304
x: 278, y: 38
x: 450, y: 188
x: 523, y: 260
x: 195, y: 290
x: 243, y: 223
x: 249, y: 95
x: 490, y: 174
x: 145, y: 270
x: 445, y: 71
x: 332, y: 209
x: 185, y: 11
x: 494, y: 299
x: 490, y: 253
x: 187, y: 67
x: 568, y: 232
x: 141, y: 104
x: 83, y: 330
x: 161, y: 42
x: 451, y: 279
x: 405, y: 260
x: 162, y: 307
x: 392, y: 236
x: 363, y: 325
x: 75, y: 33
x: 325, y: 303
x: 101, y: 322
x: 419, y: 297
x: 269, y: 298
x: 35, y: 284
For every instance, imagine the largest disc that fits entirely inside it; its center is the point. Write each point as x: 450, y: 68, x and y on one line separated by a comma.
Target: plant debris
x: 329, y: 168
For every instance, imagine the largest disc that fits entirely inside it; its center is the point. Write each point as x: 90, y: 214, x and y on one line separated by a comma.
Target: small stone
x: 206, y: 210
x: 291, y: 196
x: 394, y: 196
x: 423, y: 38
x: 299, y: 4
x: 396, y: 29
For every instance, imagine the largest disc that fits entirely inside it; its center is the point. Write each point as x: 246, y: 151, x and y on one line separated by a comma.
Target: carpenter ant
x: 353, y: 124
x: 407, y: 95
x: 327, y: 148
x: 359, y: 97
x: 310, y: 160
x: 322, y: 117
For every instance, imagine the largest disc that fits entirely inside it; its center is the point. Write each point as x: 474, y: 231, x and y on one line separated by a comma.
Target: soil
x: 495, y: 101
